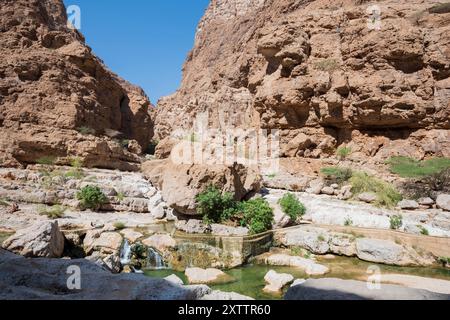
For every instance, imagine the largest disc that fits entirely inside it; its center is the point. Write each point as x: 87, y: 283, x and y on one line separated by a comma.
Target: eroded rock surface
x: 58, y: 99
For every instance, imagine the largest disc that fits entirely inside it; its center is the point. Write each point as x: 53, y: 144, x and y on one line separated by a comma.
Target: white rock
x: 205, y: 276
x: 174, y: 279
x: 298, y: 282
x: 368, y: 197
x: 275, y: 281
x: 408, y: 205
x: 443, y: 202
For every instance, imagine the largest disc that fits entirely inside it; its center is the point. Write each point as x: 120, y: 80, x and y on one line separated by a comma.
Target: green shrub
x: 396, y: 221
x: 120, y: 196
x: 214, y: 206
x: 119, y: 225
x: 124, y: 143
x: 77, y: 171
x: 320, y: 237
x: 151, y: 149
x: 410, y: 168
x: 292, y: 206
x: 439, y: 181
x: 444, y: 260
x: 46, y: 161
x: 343, y: 152
x: 86, y: 130
x: 337, y: 174
x: 53, y: 212
x: 257, y: 215
x: 348, y: 222
x: 91, y: 197
x: 387, y: 195
x: 424, y: 231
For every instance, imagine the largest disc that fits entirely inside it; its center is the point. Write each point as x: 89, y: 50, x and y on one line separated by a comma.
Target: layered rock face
x: 58, y: 99
x: 324, y: 73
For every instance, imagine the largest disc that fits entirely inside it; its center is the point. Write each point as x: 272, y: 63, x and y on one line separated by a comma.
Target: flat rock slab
x: 337, y: 289
x: 47, y: 279
x: 207, y: 276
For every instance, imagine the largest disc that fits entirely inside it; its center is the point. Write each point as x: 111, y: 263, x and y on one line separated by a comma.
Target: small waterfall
x: 125, y: 253
x: 154, y: 260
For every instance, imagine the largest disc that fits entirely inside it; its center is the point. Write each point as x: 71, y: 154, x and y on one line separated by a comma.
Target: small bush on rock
x: 54, y: 212
x: 337, y: 175
x: 119, y: 225
x: 215, y: 206
x: 387, y: 195
x: 91, y: 197
x: 257, y: 215
x: 396, y: 221
x: 343, y: 152
x: 292, y: 206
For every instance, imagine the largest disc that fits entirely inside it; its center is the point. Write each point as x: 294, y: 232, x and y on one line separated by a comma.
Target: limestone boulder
x: 42, y: 239
x: 275, y: 282
x: 180, y: 184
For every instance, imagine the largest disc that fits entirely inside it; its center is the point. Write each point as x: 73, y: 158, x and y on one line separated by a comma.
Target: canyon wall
x: 323, y: 73
x: 57, y: 99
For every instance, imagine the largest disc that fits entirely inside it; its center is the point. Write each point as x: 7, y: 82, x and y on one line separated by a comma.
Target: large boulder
x: 47, y: 279
x: 388, y: 252
x: 160, y: 242
x: 337, y: 289
x: 43, y: 239
x: 443, y: 202
x: 310, y: 266
x: 275, y: 281
x: 206, y: 276
x: 180, y: 184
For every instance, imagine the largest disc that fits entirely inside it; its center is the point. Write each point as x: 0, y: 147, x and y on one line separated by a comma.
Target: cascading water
x: 125, y: 253
x: 154, y: 260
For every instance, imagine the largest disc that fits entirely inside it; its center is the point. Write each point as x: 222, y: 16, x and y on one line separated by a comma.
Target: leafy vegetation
x: 86, y: 130
x: 77, y: 169
x: 292, y: 206
x: 151, y: 149
x: 214, y: 206
x: 338, y: 175
x: 444, y: 260
x: 91, y: 197
x: 4, y: 202
x: 119, y: 225
x: 120, y: 196
x: 343, y: 152
x: 53, y: 212
x: 424, y: 231
x: 218, y: 207
x: 257, y: 215
x: 407, y: 167
x: 387, y: 195
x: 124, y: 143
x: 396, y: 221
x: 46, y: 161
x: 348, y: 222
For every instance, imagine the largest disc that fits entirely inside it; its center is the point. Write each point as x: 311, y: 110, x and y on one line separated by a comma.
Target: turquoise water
x: 250, y: 279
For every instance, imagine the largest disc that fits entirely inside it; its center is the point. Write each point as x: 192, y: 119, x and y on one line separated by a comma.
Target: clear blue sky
x: 144, y: 41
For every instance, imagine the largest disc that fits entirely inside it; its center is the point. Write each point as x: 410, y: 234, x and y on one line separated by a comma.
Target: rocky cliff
x: 57, y: 99
x: 324, y: 73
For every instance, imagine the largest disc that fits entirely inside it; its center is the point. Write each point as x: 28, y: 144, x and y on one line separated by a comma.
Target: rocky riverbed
x: 137, y: 230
